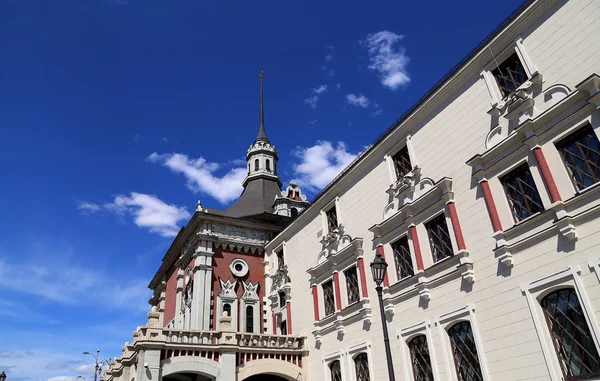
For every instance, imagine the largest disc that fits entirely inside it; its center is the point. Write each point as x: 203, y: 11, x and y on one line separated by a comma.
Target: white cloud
x: 320, y: 163
x: 338, y: 85
x: 312, y: 101
x: 320, y: 89
x: 61, y: 378
x: 85, y: 369
x: 312, y: 121
x: 377, y: 112
x: 88, y: 207
x: 328, y: 57
x: 388, y: 59
x: 357, y: 100
x: 201, y: 178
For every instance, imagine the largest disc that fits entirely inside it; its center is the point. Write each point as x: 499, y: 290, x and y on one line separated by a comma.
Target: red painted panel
x: 460, y: 239
x: 386, y: 280
x: 336, y: 286
x: 221, y: 260
x: 274, y: 320
x: 416, y: 246
x: 547, y: 175
x: 315, y: 294
x: 363, y: 278
x: 170, y: 296
x: 289, y: 317
x: 491, y: 206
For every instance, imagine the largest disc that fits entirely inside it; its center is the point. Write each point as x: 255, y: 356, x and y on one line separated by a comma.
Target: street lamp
x: 378, y: 267
x: 98, y: 365
x: 2, y: 376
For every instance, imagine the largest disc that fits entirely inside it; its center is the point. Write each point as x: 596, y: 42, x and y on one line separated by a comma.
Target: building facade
x: 484, y: 200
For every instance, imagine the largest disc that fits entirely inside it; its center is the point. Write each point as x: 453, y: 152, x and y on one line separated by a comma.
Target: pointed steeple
x: 262, y: 134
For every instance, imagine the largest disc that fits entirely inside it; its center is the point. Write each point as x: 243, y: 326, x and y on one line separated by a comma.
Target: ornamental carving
x: 250, y: 291
x: 227, y: 289
x: 238, y: 234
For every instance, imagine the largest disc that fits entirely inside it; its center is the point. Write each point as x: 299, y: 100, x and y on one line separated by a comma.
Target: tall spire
x: 262, y: 134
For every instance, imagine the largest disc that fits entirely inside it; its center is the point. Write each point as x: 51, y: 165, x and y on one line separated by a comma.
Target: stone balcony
x: 244, y: 353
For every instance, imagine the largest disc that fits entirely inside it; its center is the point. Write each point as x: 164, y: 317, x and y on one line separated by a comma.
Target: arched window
x: 361, y: 366
x: 419, y: 356
x: 281, y: 299
x: 249, y: 319
x: 268, y: 165
x: 227, y: 308
x: 464, y: 352
x: 571, y: 335
x: 294, y: 212
x: 256, y: 166
x: 335, y: 371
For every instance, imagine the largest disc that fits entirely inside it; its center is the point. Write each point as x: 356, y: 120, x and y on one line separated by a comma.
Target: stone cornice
x: 335, y: 261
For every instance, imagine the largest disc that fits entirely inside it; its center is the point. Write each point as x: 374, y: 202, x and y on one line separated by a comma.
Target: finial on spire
x: 262, y: 134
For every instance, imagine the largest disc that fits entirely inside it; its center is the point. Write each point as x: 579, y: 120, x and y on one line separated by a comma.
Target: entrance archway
x: 269, y: 370
x: 265, y: 377
x: 187, y: 377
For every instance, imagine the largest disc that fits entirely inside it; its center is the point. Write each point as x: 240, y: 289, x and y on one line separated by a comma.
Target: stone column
x: 414, y: 237
x: 491, y: 205
x: 201, y: 295
x: 162, y: 289
x: 460, y: 240
x: 228, y: 343
x: 315, y: 294
x: 179, y: 298
x: 148, y: 368
x: 336, y: 287
x: 289, y: 317
x: 546, y: 174
x: 363, y: 276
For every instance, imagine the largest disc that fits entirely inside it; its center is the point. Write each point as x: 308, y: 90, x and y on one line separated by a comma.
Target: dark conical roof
x: 257, y: 198
x: 262, y: 133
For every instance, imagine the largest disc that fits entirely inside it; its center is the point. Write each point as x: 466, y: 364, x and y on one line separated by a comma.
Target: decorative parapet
x: 261, y: 146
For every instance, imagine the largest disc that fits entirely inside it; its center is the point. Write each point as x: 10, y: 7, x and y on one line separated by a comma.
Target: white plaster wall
x: 563, y: 45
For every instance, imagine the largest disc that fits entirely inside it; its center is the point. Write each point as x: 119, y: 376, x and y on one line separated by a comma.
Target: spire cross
x: 262, y: 134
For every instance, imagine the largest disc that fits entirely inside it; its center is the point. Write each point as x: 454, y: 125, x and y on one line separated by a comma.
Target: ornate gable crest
x: 250, y: 291
x: 227, y: 288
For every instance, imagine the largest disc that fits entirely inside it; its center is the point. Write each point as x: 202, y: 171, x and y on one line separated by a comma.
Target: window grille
x: 404, y: 265
x: 352, y: 285
x: 328, y: 297
x: 421, y: 363
x: 439, y: 238
x: 464, y: 352
x: 249, y: 319
x: 580, y: 152
x: 571, y: 335
x: 510, y: 74
x: 335, y: 371
x: 522, y: 193
x: 402, y: 162
x: 332, y: 220
x: 361, y: 365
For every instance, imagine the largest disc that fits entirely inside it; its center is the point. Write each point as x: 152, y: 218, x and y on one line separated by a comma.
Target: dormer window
x: 510, y: 74
x: 402, y: 163
x: 332, y: 220
x: 256, y: 165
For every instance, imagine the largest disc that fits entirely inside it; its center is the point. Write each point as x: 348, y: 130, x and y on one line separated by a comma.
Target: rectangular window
x: 328, y: 298
x: 580, y: 152
x: 510, y: 74
x: 249, y: 319
x: 404, y: 265
x: 402, y: 162
x: 283, y: 328
x: 352, y: 285
x: 332, y: 220
x: 280, y: 260
x: 522, y: 193
x: 281, y: 299
x: 439, y: 238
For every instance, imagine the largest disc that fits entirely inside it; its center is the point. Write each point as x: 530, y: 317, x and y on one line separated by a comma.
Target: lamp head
x: 378, y: 267
x: 86, y: 353
x: 2, y: 376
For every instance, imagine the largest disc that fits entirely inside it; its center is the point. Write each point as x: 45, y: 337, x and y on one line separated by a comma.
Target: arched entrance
x: 187, y: 368
x: 265, y: 377
x: 269, y: 370
x: 187, y: 377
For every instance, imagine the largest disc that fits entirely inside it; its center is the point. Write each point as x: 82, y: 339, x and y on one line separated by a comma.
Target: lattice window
x: 464, y: 352
x: 522, y: 193
x: 361, y: 365
x: 421, y: 363
x: 402, y: 162
x: 328, y: 297
x: 280, y: 260
x: 571, y: 335
x: 404, y: 265
x: 332, y: 220
x: 510, y: 74
x: 439, y: 238
x: 335, y: 371
x: 580, y: 152
x: 249, y: 319
x: 352, y: 285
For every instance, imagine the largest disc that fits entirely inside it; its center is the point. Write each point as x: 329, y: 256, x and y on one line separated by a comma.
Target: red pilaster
x: 386, y: 280
x: 460, y: 239
x: 491, y: 206
x: 363, y: 278
x: 546, y: 174
x: 274, y: 323
x: 315, y: 293
x: 289, y: 317
x: 338, y: 296
x: 416, y: 246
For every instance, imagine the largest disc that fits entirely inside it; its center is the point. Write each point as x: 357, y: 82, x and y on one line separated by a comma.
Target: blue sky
x: 117, y: 115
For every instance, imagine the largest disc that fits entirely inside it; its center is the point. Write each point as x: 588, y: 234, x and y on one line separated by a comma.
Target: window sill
x: 336, y: 322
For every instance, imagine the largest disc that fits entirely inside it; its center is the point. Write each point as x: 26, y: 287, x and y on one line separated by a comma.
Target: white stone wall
x: 562, y: 43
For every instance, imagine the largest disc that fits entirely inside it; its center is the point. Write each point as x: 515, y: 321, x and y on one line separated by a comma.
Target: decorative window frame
x: 537, y: 289
x: 355, y: 350
x: 542, y: 130
x: 223, y: 298
x: 323, y: 272
x: 330, y: 358
x: 447, y: 320
x: 496, y: 98
x: 335, y: 235
x: 410, y: 178
x: 594, y: 265
x: 405, y: 335
x: 250, y: 298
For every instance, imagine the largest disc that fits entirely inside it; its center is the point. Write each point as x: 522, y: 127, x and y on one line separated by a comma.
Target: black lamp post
x: 98, y: 365
x: 378, y: 267
x: 2, y: 376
